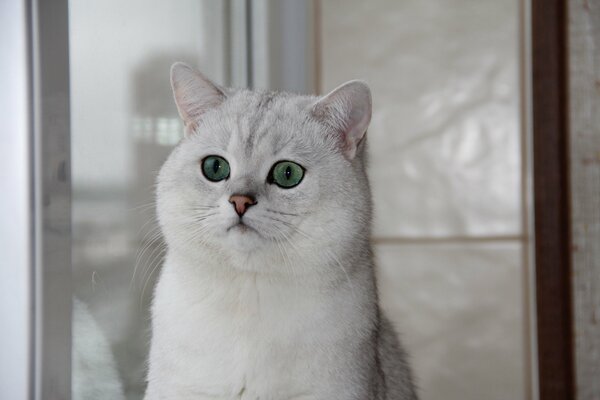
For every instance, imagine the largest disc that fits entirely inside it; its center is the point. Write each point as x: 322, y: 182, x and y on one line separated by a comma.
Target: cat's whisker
x: 284, y: 213
x: 202, y: 217
x: 143, y: 207
x: 298, y: 230
x: 196, y: 208
x: 150, y: 233
x: 156, y: 245
x: 148, y: 248
x: 149, y: 221
x: 156, y: 262
x: 155, y: 237
x: 291, y: 226
x: 152, y: 256
x: 148, y: 279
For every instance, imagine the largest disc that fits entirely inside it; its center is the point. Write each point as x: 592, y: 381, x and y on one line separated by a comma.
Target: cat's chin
x: 244, y: 238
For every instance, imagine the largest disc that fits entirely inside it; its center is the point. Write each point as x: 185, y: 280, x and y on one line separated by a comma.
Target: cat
x: 268, y: 289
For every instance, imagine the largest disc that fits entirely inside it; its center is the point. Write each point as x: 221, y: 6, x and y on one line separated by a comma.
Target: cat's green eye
x: 286, y: 174
x: 215, y: 168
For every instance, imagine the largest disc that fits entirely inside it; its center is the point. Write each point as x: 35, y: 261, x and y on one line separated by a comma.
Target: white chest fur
x: 247, y: 337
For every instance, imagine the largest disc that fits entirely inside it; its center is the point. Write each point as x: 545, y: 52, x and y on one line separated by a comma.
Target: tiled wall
x: 445, y: 164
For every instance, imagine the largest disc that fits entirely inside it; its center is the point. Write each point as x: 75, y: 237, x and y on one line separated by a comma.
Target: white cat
x: 268, y: 289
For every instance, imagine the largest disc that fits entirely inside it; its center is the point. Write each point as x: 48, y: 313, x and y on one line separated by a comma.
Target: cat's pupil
x: 288, y: 172
x: 216, y: 166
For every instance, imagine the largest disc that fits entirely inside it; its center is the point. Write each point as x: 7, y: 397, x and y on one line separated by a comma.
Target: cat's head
x: 261, y: 176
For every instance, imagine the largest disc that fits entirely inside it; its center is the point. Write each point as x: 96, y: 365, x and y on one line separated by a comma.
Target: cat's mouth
x: 241, y: 227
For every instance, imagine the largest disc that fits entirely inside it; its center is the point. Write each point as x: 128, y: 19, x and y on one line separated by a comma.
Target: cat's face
x: 264, y: 175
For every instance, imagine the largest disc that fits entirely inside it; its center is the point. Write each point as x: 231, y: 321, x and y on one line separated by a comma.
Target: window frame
x: 551, y: 198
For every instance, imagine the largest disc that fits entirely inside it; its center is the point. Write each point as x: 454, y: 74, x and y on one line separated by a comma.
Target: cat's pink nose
x: 241, y: 202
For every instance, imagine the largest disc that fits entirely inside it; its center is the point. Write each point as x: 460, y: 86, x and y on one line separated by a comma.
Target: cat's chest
x: 243, y: 337
x: 245, y: 315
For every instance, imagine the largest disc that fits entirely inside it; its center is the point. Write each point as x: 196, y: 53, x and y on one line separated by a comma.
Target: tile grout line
x: 447, y: 239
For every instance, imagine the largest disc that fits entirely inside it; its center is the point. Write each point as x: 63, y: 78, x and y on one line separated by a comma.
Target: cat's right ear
x: 194, y: 94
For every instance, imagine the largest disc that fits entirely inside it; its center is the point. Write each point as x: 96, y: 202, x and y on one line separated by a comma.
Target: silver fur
x: 287, y: 308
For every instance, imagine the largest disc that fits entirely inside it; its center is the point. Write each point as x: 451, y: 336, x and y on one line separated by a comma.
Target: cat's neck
x: 184, y: 282
x: 323, y: 268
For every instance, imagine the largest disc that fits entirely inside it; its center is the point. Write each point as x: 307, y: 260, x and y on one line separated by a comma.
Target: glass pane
x: 124, y: 124
x: 445, y: 167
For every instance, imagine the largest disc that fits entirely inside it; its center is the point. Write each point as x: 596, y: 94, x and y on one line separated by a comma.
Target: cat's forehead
x: 260, y: 124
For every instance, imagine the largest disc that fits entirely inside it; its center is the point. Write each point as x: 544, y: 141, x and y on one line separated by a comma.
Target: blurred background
x: 447, y: 165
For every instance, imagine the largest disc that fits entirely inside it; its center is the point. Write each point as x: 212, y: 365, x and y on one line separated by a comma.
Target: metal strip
x: 216, y: 27
x: 52, y: 199
x: 239, y: 46
x: 528, y: 285
x: 284, y: 45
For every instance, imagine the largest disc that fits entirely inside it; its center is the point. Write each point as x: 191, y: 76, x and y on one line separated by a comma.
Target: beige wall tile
x: 444, y: 139
x: 459, y: 310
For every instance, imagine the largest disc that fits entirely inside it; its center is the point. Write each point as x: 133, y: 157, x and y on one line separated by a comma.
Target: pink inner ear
x: 189, y: 128
x: 348, y: 110
x: 194, y: 94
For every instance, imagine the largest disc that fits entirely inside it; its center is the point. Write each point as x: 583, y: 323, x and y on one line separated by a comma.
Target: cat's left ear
x: 194, y: 94
x: 347, y: 110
